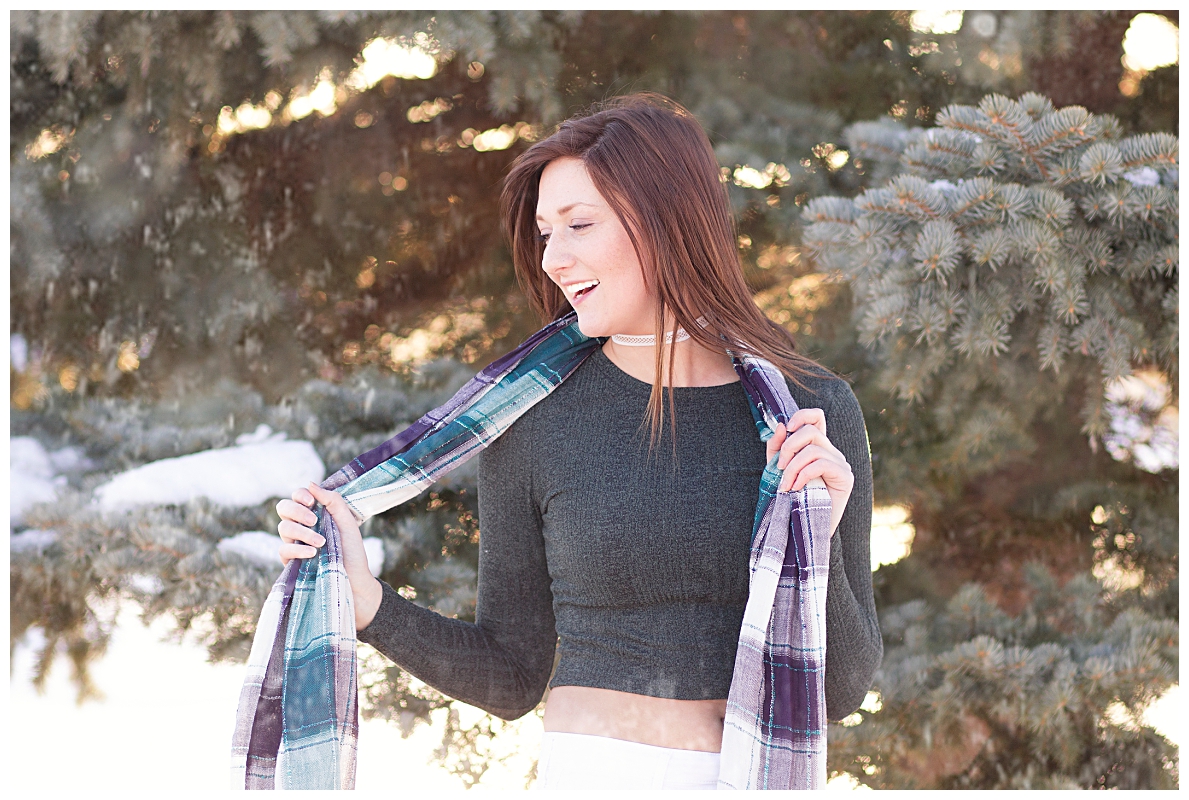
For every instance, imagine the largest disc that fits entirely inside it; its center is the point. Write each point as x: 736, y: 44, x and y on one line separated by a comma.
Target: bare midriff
x: 680, y: 724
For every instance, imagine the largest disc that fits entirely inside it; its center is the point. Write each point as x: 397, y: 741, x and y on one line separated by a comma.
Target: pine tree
x: 168, y: 557
x: 969, y: 697
x: 181, y: 275
x: 1015, y: 262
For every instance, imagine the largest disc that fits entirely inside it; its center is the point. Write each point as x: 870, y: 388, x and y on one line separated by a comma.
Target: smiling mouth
x: 584, y: 292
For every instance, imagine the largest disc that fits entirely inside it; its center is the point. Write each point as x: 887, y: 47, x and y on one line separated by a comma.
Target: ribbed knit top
x: 632, y: 564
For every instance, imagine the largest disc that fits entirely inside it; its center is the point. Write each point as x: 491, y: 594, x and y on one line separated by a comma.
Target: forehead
x: 564, y: 183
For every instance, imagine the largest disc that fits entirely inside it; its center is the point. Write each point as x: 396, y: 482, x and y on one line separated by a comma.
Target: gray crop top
x: 632, y: 566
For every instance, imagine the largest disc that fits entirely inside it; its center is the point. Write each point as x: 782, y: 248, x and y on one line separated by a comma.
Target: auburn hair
x: 654, y: 165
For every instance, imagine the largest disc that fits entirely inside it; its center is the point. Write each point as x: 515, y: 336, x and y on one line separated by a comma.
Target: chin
x: 590, y: 328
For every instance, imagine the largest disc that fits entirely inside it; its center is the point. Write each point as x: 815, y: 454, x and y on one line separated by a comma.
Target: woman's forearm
x: 504, y: 673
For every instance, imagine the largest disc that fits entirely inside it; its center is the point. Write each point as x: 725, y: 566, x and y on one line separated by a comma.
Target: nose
x: 555, y: 258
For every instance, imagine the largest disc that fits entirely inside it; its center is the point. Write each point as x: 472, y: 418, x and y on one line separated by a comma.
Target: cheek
x: 625, y: 264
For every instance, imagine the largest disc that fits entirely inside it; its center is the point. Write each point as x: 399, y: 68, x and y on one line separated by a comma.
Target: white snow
x: 374, y: 548
x: 70, y: 459
x: 263, y: 466
x: 263, y: 433
x: 32, y: 477
x: 1144, y: 176
x: 256, y: 546
x: 149, y: 584
x: 31, y: 540
x: 1144, y: 427
x: 260, y: 548
x: 18, y: 351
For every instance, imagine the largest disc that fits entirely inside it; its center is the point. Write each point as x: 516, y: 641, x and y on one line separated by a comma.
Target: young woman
x: 624, y: 554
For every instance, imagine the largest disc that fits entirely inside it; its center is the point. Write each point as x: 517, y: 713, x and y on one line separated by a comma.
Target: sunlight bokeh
x: 934, y: 21
x: 1151, y: 42
x: 383, y: 57
x: 891, y: 535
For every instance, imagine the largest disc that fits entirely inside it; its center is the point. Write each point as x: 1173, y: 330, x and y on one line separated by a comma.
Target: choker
x: 633, y: 340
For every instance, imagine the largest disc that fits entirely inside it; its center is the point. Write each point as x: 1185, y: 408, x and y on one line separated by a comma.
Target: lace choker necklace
x: 633, y: 340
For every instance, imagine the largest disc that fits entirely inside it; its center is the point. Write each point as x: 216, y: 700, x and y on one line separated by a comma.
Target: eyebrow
x: 564, y: 209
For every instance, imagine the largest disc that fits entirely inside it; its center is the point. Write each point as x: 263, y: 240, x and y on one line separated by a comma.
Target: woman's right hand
x: 300, y: 540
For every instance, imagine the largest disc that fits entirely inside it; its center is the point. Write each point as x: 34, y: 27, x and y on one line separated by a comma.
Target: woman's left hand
x: 806, y: 453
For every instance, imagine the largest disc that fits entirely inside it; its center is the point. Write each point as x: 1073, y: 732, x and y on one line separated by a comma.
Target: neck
x: 693, y: 364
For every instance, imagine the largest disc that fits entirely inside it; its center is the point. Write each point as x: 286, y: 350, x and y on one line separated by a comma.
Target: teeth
x: 575, y: 288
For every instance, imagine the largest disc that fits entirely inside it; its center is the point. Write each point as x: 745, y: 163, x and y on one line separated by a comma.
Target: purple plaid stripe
x: 298, y: 715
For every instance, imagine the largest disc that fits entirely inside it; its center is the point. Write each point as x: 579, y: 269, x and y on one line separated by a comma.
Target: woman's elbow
x: 513, y: 708
x: 849, y: 688
x: 519, y: 693
x: 513, y: 714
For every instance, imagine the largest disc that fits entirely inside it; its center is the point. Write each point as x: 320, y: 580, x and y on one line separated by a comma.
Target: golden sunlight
x: 383, y: 57
x: 933, y: 21
x: 891, y: 535
x: 751, y: 177
x: 761, y: 179
x: 48, y: 141
x: 416, y: 58
x: 128, y: 359
x: 321, y: 99
x: 1150, y: 43
x: 500, y: 138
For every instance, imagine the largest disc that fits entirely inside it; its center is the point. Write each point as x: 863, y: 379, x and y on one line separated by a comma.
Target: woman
x: 630, y: 559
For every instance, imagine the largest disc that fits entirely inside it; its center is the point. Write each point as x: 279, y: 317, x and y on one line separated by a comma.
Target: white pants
x: 581, y: 761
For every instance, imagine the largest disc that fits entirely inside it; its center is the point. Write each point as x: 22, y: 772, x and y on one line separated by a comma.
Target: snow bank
x: 261, y: 548
x: 32, y: 477
x: 31, y: 540
x: 261, y: 466
x: 18, y: 351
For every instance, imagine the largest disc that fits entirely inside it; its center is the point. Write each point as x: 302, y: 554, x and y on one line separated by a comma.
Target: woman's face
x: 585, y: 242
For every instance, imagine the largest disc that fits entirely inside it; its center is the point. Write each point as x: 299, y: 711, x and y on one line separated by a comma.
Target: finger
x: 802, y: 459
x: 808, y: 416
x: 332, y: 500
x: 836, y: 477
x: 805, y: 436
x: 304, y: 497
x: 778, y: 438
x: 292, y: 532
x: 288, y: 509
x: 815, y: 462
x: 336, y: 505
x: 291, y: 551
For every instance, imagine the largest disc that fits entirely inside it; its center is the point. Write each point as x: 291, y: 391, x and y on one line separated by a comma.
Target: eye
x: 542, y: 237
x: 580, y: 226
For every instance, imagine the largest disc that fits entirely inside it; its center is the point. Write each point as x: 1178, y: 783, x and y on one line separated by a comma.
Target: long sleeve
x: 501, y: 662
x: 854, y: 646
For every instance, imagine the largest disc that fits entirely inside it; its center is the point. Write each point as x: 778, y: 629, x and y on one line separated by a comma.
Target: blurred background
x: 247, y: 246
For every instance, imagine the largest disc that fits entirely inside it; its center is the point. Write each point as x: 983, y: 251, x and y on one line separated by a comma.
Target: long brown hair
x: 652, y: 162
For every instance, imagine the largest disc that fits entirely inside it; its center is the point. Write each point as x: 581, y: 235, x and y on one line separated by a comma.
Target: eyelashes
x: 544, y: 237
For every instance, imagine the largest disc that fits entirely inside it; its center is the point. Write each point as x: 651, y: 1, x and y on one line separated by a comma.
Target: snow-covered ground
x: 166, y: 723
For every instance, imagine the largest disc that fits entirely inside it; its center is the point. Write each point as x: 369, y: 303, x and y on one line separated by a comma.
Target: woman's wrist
x: 367, y: 594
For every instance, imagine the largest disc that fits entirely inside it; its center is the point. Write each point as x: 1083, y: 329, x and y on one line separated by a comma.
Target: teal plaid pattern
x: 297, y: 722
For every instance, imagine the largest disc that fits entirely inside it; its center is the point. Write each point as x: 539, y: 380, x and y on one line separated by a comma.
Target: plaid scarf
x: 297, y: 722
